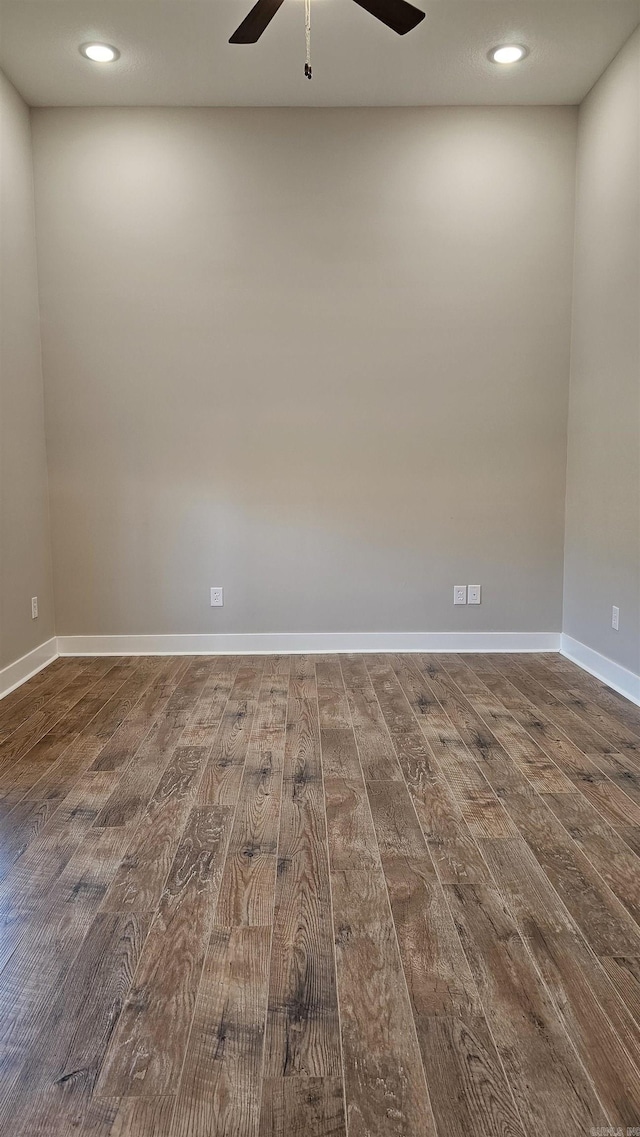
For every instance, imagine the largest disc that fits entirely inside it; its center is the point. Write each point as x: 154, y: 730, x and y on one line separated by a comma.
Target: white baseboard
x: 626, y: 682
x: 276, y: 643
x: 23, y: 669
x: 271, y: 643
x: 613, y: 674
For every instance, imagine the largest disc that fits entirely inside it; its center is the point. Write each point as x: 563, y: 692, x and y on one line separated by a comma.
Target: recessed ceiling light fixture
x: 100, y: 52
x: 508, y: 53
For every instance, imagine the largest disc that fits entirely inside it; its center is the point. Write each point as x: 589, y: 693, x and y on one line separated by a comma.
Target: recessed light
x: 100, y: 52
x: 508, y: 53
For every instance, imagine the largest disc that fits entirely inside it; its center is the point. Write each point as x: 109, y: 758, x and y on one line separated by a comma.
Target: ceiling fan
x: 398, y: 15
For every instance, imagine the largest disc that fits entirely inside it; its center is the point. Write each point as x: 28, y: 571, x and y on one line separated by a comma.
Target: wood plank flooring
x: 319, y: 896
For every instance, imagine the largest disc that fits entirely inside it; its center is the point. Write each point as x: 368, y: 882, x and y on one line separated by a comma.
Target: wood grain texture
x: 135, y: 1116
x: 594, y: 1014
x: 488, y: 819
x: 53, y: 935
x: 550, y: 709
x: 449, y: 840
x: 223, y: 775
x: 605, y: 924
x: 62, y: 715
x: 451, y: 757
x: 296, y: 1106
x: 64, y: 1064
x: 529, y: 715
x: 47, y: 778
x: 124, y: 744
x: 587, y: 686
x: 609, y: 854
x: 30, y: 697
x: 140, y: 879
x: 385, y: 1088
x: 527, y: 1030
x: 319, y: 896
x: 248, y: 883
x: 146, y: 1054
x: 530, y: 758
x: 608, y: 727
x: 53, y: 746
x: 302, y: 1034
x: 351, y: 838
x: 468, y: 1090
x: 139, y: 777
x: 103, y: 732
x: 221, y: 1084
x: 386, y: 1091
x: 29, y: 886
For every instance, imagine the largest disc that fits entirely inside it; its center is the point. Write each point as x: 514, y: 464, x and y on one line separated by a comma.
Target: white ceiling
x: 175, y: 53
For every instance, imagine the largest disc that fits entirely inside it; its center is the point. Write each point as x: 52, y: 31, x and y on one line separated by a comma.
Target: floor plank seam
x: 516, y: 923
x: 333, y: 924
x: 446, y: 902
x: 589, y: 758
x: 390, y: 908
x: 553, y: 1002
x: 176, y: 1092
x: 586, y: 945
x: 541, y: 796
x: 260, y: 1088
x: 452, y: 942
x: 62, y: 755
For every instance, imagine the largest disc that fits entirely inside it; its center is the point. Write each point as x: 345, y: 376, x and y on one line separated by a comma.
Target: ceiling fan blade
x: 255, y: 23
x: 398, y: 15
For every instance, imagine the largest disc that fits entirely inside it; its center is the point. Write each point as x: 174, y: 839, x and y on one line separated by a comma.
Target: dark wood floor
x: 382, y: 896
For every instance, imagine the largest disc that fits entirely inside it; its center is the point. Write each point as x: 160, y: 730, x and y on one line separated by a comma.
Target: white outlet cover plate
x: 474, y: 594
x: 459, y: 594
x: 217, y: 598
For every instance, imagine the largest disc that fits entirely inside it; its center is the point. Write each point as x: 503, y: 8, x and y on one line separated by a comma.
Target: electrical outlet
x: 615, y: 618
x: 217, y: 598
x: 34, y: 607
x: 459, y: 594
x: 474, y: 592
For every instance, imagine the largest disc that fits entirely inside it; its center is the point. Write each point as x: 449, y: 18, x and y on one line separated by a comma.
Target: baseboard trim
x: 626, y: 682
x: 622, y: 680
x: 294, y: 643
x: 22, y: 669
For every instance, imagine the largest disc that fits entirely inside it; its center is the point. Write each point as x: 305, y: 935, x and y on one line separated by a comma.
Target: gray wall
x: 318, y: 357
x: 603, y: 482
x: 25, y: 558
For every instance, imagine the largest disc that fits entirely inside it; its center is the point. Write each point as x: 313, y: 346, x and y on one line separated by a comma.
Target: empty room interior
x: 319, y: 568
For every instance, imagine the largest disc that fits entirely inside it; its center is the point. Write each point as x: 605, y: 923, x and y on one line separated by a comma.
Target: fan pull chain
x: 307, y: 35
